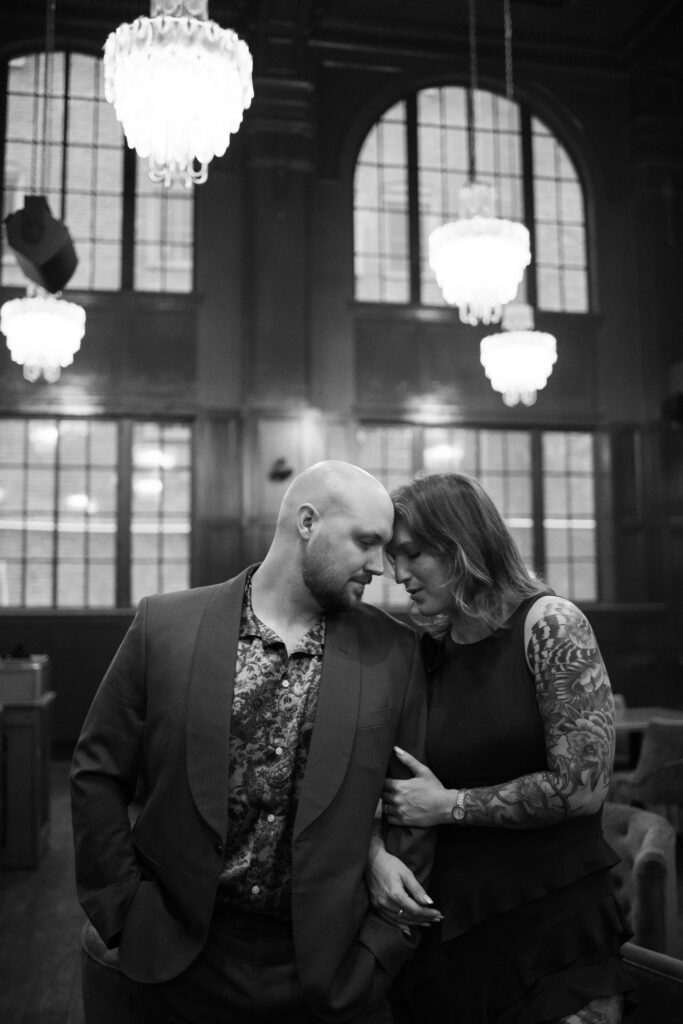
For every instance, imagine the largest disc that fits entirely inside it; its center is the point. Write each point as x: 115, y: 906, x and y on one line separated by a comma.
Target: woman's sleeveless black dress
x: 531, y: 929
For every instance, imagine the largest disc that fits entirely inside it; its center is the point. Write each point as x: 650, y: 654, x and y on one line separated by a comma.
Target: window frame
x: 416, y: 446
x: 528, y: 114
x: 123, y: 512
x: 131, y: 248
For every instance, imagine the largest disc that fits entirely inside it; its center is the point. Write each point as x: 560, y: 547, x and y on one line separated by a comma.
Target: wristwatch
x: 458, y: 809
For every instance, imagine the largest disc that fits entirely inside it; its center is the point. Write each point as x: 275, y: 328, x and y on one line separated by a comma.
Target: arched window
x: 128, y: 232
x: 408, y: 175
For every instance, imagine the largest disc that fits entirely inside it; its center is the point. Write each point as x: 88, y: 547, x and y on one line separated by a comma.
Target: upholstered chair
x: 645, y: 879
x: 656, y: 781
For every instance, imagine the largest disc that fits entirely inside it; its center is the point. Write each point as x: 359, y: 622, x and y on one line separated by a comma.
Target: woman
x: 524, y: 927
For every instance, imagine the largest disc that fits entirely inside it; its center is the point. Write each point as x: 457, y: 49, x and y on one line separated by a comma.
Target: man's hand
x: 395, y: 893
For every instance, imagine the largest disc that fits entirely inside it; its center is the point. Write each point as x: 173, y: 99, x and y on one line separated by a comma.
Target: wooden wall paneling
x: 634, y: 642
x: 407, y: 363
x: 80, y: 646
x: 221, y: 280
x: 217, y: 543
x: 137, y: 356
x: 630, y: 539
x: 280, y: 165
x: 278, y: 445
x: 604, y: 497
x: 332, y: 353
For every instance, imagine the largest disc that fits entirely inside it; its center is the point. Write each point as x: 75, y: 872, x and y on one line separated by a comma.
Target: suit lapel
x: 335, y: 721
x: 212, y: 681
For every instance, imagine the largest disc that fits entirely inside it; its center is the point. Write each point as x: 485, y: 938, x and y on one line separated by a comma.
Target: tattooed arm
x: 577, y: 709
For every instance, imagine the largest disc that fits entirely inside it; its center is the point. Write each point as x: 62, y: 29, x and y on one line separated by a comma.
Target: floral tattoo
x: 577, y: 709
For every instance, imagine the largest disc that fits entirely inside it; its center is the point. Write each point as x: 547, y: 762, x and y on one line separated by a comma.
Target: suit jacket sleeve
x: 104, y: 774
x: 414, y: 846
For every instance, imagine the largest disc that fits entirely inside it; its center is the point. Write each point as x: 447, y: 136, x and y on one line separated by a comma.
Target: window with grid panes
x: 82, y: 171
x: 558, y: 543
x: 396, y: 182
x: 569, y: 516
x: 78, y: 529
x: 560, y: 248
x: 381, y: 212
x: 160, y: 508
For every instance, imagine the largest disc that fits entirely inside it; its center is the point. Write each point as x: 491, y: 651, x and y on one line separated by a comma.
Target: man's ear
x: 306, y: 517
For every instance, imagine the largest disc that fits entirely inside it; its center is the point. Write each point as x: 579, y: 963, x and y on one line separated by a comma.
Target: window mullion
x: 4, y: 77
x: 413, y: 199
x: 537, y: 503
x: 128, y: 219
x: 55, y: 513
x: 65, y: 137
x: 529, y: 202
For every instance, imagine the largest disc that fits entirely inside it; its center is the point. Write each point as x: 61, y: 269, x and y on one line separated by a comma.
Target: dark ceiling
x: 582, y: 31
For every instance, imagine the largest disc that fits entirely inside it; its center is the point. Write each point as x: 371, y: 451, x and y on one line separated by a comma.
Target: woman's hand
x: 395, y: 893
x: 420, y: 801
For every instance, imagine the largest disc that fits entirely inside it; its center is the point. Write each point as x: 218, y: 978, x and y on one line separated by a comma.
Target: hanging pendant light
x: 519, y: 360
x: 479, y: 259
x: 43, y: 330
x: 179, y: 84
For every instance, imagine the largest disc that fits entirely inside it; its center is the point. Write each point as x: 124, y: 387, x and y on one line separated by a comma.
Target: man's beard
x: 330, y: 593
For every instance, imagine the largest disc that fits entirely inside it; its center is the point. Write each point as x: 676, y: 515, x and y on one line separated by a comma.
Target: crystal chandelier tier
x: 519, y: 360
x: 179, y: 84
x: 479, y: 259
x: 43, y: 332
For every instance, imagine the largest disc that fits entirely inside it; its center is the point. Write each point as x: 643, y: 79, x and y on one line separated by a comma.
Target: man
x: 257, y: 717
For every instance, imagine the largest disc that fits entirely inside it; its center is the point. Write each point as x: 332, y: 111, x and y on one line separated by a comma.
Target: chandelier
x: 479, y: 259
x: 518, y: 361
x: 179, y: 84
x: 43, y: 332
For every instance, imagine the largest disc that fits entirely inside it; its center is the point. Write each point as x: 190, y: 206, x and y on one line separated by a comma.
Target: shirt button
x: 271, y: 818
x: 278, y: 751
x: 219, y: 847
x: 256, y: 889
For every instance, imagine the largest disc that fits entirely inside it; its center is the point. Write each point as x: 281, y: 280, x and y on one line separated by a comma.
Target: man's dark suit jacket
x: 163, y: 711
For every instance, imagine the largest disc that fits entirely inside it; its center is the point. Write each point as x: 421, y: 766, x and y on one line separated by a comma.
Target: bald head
x: 332, y: 525
x: 333, y: 487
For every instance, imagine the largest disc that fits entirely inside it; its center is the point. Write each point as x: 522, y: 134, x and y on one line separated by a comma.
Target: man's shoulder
x: 194, y: 597
x: 372, y: 617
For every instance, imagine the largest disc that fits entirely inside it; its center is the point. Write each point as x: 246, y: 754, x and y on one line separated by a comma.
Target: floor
x: 40, y: 922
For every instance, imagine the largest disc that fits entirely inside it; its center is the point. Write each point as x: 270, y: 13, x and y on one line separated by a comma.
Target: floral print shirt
x: 273, y: 710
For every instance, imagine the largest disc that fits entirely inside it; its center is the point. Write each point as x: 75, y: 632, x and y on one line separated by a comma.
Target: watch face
x: 458, y: 813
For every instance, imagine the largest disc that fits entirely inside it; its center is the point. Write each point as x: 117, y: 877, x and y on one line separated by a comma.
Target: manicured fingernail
x: 399, y: 751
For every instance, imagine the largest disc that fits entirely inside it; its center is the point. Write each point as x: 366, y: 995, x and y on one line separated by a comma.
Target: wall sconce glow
x: 519, y: 361
x: 43, y: 333
x: 179, y: 84
x: 479, y: 259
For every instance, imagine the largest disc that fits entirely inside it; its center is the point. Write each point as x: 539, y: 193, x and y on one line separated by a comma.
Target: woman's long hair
x: 452, y: 516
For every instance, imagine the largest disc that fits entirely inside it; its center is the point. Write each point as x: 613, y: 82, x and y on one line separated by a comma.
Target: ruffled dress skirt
x: 536, y: 938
